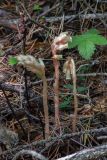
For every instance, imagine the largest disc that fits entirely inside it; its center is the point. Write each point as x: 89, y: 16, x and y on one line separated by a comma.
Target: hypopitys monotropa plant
x: 59, y: 43
x: 37, y: 67
x: 70, y: 71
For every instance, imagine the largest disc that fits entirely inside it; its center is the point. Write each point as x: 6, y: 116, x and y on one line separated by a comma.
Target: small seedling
x: 37, y: 8
x: 66, y: 104
x: 12, y: 61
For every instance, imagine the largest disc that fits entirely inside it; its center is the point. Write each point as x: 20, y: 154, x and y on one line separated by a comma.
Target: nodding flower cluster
x: 31, y: 64
x: 61, y: 42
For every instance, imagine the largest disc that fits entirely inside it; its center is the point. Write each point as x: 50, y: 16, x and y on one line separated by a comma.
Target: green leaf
x: 86, y: 42
x: 92, y: 31
x: 74, y: 42
x: 64, y: 104
x: 12, y: 61
x: 81, y: 89
x: 68, y: 86
x: 86, y: 49
x: 84, y: 69
x: 98, y: 39
x: 95, y: 38
x: 37, y: 7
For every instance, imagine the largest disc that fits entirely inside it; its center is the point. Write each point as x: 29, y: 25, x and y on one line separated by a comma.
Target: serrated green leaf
x: 86, y: 42
x: 98, y: 39
x: 75, y: 41
x: 92, y: 31
x: 12, y: 61
x: 86, y: 49
x: 95, y: 38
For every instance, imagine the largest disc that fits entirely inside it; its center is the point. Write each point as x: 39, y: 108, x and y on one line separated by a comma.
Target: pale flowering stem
x: 60, y: 43
x: 45, y: 104
x: 38, y: 67
x: 56, y: 87
x: 75, y: 96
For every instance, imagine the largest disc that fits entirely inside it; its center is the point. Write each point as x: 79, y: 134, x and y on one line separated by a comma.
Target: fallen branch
x: 92, y: 74
x: 16, y: 87
x: 82, y: 16
x: 13, y: 87
x: 12, y: 23
x: 95, y: 132
x: 34, y: 154
x: 101, y: 1
x: 87, y: 154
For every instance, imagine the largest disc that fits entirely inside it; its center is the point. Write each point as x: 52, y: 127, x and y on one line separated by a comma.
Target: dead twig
x: 82, y: 16
x: 12, y: 110
x: 47, y: 11
x: 16, y: 87
x: 87, y: 154
x: 95, y: 132
x: 34, y: 154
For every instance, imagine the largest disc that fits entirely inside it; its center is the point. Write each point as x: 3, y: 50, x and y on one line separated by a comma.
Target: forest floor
x: 29, y: 27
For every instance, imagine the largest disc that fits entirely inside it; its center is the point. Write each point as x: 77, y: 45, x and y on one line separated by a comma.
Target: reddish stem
x: 56, y: 87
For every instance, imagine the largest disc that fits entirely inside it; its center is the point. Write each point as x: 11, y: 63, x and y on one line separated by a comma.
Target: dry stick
x: 82, y: 16
x: 92, y: 10
x: 12, y: 23
x: 12, y: 110
x: 34, y: 154
x: 16, y: 87
x: 27, y: 109
x: 32, y: 20
x: 88, y: 154
x: 101, y: 1
x: 95, y: 132
x: 47, y: 11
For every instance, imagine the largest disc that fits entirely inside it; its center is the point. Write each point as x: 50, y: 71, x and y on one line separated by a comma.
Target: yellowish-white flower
x: 61, y: 42
x: 31, y: 64
x: 69, y: 68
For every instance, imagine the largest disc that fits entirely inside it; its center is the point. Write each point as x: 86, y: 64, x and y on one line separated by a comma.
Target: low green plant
x: 80, y: 90
x: 66, y: 104
x: 37, y: 8
x: 86, y: 43
x: 12, y: 61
